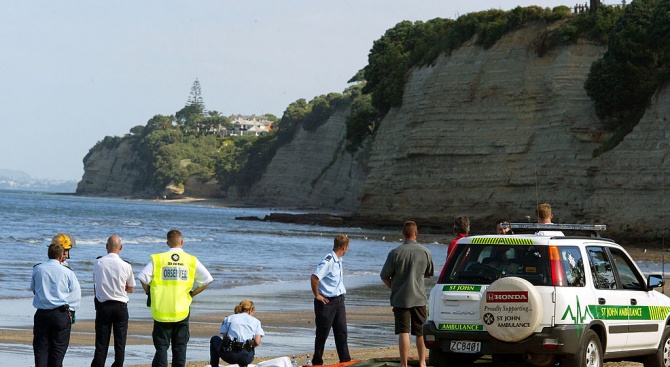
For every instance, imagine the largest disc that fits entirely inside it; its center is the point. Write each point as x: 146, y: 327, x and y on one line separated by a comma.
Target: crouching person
x: 240, y: 334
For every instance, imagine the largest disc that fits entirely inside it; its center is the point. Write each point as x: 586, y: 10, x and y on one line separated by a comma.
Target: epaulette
x: 98, y: 257
x: 36, y: 264
x: 67, y: 266
x: 329, y: 257
x: 126, y: 261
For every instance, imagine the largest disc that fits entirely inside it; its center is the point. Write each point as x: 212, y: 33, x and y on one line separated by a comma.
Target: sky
x: 75, y: 71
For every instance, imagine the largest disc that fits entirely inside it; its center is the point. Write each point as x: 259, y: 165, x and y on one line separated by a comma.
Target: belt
x: 111, y: 302
x: 336, y: 297
x: 62, y: 308
x: 235, y: 346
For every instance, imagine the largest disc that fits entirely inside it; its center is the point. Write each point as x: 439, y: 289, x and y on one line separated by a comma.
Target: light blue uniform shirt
x: 54, y: 285
x: 241, y: 326
x: 330, y: 274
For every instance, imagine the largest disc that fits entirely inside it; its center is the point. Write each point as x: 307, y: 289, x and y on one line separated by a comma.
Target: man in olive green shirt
x: 404, y: 271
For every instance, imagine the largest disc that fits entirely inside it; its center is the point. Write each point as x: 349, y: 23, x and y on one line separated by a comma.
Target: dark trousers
x: 110, y: 315
x: 51, y: 337
x: 332, y: 314
x: 170, y: 332
x: 242, y: 357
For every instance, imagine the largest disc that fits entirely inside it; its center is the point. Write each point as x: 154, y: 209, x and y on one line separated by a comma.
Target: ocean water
x: 269, y: 263
x: 236, y: 252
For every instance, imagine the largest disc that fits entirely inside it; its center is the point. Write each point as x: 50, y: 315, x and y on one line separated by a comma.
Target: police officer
x: 240, y: 335
x: 169, y: 279
x: 57, y: 296
x: 329, y: 311
x: 113, y: 279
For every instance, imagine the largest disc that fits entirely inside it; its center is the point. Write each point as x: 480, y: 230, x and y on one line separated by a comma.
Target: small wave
x: 196, y: 239
x: 28, y: 240
x: 132, y: 224
x: 91, y: 241
x: 361, y: 273
x: 142, y: 239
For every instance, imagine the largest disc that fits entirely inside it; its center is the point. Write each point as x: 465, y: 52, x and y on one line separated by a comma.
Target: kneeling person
x: 240, y: 334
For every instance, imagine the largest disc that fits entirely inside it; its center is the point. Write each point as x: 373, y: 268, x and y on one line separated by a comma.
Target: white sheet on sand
x: 277, y: 362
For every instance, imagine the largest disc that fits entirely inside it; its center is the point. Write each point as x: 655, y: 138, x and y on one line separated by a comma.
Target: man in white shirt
x: 113, y: 279
x: 544, y: 216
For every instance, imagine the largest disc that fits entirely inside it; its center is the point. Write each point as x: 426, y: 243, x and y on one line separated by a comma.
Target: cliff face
x: 490, y: 133
x: 484, y: 133
x: 313, y: 172
x: 110, y: 172
x: 630, y: 183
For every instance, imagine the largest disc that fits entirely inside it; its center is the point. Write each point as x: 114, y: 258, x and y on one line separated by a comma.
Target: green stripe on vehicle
x: 629, y: 312
x: 581, y: 315
x: 501, y: 241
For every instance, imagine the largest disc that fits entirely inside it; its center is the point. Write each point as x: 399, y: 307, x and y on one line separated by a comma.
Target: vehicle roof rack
x: 594, y: 229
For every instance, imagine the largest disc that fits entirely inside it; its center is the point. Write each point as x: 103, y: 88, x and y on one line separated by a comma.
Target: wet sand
x: 275, y: 324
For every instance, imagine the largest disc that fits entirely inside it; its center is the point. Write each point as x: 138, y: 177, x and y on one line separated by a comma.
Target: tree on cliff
x: 623, y: 81
x: 195, y: 98
x: 188, y: 118
x: 595, y: 5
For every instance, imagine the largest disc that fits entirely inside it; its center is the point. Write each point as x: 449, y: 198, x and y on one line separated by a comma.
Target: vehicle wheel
x: 662, y: 356
x: 437, y: 358
x: 508, y: 360
x: 589, y: 355
x: 511, y: 324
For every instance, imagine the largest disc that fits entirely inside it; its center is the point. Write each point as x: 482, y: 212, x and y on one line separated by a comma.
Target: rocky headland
x: 484, y: 133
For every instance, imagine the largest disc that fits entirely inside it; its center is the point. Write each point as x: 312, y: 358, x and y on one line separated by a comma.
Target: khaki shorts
x: 410, y: 320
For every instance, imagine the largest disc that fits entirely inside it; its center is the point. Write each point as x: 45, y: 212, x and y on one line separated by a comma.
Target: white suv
x: 546, y: 301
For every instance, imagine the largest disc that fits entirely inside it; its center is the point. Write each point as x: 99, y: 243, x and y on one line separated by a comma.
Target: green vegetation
x: 173, y: 148
x: 622, y: 83
x: 361, y: 122
x: 595, y: 26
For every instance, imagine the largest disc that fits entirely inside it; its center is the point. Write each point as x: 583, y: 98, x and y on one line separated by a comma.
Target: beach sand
x: 201, y: 327
x: 206, y: 325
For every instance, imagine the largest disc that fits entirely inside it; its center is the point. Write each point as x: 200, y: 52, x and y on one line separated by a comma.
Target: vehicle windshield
x: 484, y: 263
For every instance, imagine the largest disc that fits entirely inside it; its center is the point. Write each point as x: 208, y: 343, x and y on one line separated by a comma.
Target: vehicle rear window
x: 485, y: 263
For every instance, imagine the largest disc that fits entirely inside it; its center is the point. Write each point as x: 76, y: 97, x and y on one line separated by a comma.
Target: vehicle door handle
x: 601, y: 301
x: 633, y: 302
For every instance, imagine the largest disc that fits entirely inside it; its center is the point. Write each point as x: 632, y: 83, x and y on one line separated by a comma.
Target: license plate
x: 461, y: 346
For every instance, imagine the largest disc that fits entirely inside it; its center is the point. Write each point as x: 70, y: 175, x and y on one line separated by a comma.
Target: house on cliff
x: 249, y: 125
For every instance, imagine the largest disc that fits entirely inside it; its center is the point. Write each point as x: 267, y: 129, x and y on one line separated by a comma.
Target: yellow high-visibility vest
x: 174, y: 275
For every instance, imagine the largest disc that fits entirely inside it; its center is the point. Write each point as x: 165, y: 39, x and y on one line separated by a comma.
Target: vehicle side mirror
x: 654, y: 281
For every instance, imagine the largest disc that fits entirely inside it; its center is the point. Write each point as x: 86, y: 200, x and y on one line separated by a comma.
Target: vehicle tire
x: 511, y: 309
x: 662, y: 357
x: 508, y: 360
x: 589, y: 355
x: 438, y: 358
